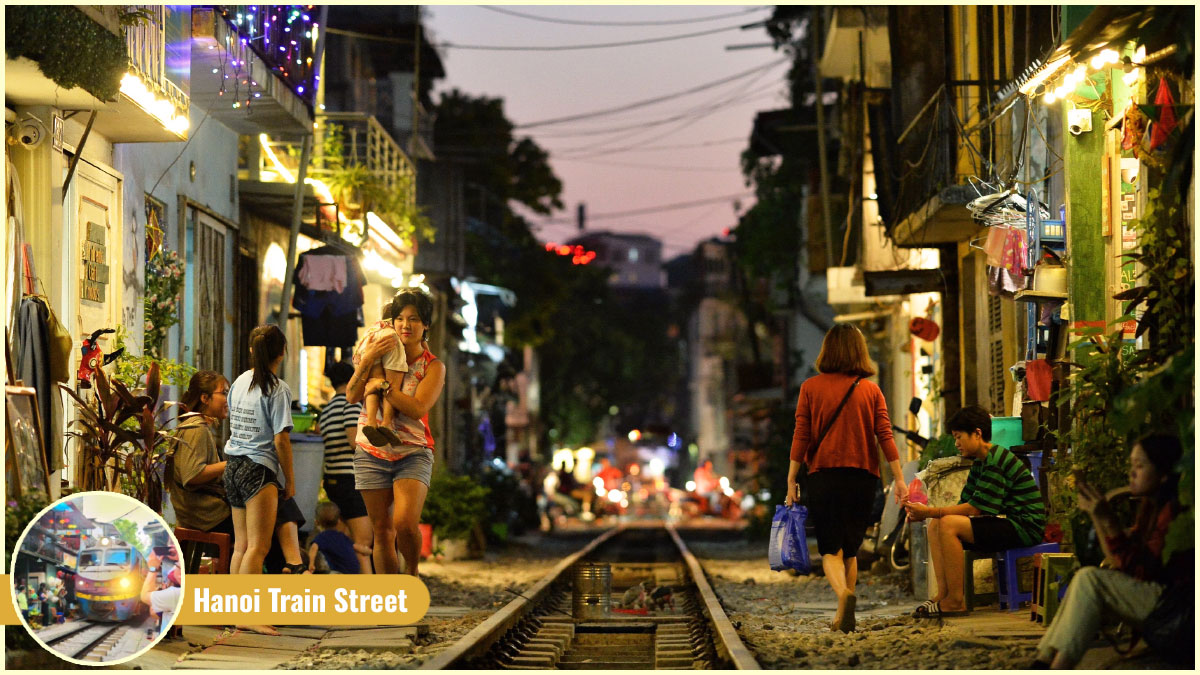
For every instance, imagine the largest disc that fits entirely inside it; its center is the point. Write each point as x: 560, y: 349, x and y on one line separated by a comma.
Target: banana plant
x: 122, y: 447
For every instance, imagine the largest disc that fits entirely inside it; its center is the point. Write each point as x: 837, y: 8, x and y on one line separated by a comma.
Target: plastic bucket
x: 591, y: 593
x: 1006, y: 431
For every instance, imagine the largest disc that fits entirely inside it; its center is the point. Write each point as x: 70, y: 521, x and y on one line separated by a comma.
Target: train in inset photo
x: 96, y: 578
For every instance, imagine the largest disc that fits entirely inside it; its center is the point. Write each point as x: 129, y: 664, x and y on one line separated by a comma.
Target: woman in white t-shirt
x: 258, y: 469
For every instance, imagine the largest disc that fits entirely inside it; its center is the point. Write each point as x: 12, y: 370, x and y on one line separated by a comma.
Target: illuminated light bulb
x: 1098, y: 61
x: 1049, y: 98
x: 1139, y: 56
x: 1080, y: 73
x: 1110, y: 55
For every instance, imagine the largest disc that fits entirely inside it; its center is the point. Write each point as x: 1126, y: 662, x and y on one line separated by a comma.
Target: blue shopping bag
x: 788, y: 549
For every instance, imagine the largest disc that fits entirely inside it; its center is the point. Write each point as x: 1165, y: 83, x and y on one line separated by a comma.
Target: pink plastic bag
x: 916, y: 492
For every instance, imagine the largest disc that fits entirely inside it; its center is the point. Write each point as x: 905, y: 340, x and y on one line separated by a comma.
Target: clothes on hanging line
x: 329, y: 318
x: 323, y: 272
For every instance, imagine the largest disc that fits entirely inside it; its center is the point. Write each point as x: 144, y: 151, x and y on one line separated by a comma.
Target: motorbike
x: 888, y: 537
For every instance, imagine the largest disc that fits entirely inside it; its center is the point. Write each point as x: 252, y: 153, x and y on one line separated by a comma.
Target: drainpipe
x: 297, y: 212
x: 822, y: 158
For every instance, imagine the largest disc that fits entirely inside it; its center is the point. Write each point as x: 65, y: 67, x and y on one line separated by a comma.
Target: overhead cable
x: 651, y: 209
x: 580, y: 22
x: 656, y: 99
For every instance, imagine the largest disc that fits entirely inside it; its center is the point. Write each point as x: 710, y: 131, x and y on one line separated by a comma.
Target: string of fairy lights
x: 284, y: 37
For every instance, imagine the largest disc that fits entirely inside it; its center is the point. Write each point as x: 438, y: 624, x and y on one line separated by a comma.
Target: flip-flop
x: 926, y: 610
x: 942, y: 614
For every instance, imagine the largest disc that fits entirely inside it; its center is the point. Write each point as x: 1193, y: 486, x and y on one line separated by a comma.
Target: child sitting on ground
x: 393, y: 362
x: 331, y: 549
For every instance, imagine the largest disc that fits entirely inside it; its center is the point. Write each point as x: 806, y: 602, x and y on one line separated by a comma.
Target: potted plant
x: 122, y: 448
x: 456, y: 507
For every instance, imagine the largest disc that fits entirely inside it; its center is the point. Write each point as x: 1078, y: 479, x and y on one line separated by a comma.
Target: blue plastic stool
x: 1008, y: 591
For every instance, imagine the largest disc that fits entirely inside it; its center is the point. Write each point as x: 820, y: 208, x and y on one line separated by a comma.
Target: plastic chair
x: 1007, y: 589
x: 1051, y: 571
x: 190, y: 541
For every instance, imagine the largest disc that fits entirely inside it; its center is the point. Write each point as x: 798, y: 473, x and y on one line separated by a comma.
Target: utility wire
x: 651, y: 209
x: 651, y: 101
x: 660, y: 167
x: 665, y: 22
x: 532, y: 48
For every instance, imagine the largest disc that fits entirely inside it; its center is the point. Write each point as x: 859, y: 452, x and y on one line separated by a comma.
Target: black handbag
x: 1170, y: 628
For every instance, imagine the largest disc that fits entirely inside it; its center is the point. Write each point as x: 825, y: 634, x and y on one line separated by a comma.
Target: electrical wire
x: 649, y: 209
x: 652, y: 101
x: 533, y: 48
x: 666, y: 22
x: 660, y: 167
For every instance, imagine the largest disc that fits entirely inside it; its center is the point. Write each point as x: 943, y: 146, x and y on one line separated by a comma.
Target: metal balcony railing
x: 364, y: 143
x: 146, y: 42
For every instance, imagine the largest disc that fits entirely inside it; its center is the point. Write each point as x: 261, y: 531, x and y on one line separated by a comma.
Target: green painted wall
x: 1084, y: 155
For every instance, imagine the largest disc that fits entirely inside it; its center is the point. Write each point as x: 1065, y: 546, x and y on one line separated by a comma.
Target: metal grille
x: 996, y: 354
x: 210, y: 290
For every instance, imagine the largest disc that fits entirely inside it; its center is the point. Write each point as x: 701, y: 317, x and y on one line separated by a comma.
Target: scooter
x: 888, y: 538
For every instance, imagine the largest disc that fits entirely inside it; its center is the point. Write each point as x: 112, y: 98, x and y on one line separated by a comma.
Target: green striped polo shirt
x: 1000, y: 485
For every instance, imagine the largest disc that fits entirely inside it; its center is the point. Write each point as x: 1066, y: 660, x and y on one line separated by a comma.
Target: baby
x: 331, y: 549
x: 392, y: 362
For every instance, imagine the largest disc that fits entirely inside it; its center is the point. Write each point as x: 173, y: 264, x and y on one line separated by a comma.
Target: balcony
x: 356, y: 177
x: 152, y: 103
x: 241, y: 76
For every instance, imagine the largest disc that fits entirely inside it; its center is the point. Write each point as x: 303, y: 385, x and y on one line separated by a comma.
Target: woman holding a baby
x: 400, y: 381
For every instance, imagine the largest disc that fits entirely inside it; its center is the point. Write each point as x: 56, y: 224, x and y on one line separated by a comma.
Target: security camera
x: 30, y: 132
x: 1079, y: 121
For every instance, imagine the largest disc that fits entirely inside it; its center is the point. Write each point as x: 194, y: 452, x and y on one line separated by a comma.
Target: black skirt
x: 840, y: 501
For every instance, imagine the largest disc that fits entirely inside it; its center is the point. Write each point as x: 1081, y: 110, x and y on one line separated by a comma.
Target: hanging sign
x: 93, y: 285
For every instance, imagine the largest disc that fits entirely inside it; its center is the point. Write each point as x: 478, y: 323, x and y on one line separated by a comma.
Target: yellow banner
x: 303, y: 599
x: 8, y: 611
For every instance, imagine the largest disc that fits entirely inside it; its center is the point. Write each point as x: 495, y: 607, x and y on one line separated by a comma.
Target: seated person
x: 332, y: 544
x: 195, y: 470
x: 1131, y: 590
x: 1000, y: 508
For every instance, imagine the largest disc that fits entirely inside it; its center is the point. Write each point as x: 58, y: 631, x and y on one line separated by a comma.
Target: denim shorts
x: 373, y: 473
x: 245, y: 478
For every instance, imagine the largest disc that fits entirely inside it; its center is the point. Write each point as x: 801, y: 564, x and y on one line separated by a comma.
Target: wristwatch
x: 153, y: 569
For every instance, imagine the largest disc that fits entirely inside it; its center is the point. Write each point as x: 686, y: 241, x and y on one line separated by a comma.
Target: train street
x: 782, y: 620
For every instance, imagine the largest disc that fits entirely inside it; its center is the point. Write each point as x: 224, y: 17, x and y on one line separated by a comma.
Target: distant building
x: 635, y: 259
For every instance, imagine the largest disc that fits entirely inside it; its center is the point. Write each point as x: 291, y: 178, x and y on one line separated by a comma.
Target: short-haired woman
x: 394, y: 479
x: 841, y: 457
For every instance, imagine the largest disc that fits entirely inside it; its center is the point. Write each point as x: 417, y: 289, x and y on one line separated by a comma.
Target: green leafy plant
x: 117, y: 457
x: 129, y: 533
x: 130, y: 370
x: 357, y: 188
x: 68, y: 46
x: 164, y: 283
x: 455, y: 505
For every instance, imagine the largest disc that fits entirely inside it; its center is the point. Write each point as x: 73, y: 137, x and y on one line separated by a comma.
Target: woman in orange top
x: 843, y: 466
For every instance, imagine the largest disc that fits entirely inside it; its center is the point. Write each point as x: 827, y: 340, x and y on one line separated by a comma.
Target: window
x: 89, y: 558
x: 633, y: 255
x: 118, y: 556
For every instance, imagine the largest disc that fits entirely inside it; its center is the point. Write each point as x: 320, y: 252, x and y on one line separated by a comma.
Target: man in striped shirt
x: 339, y: 423
x: 1000, y: 508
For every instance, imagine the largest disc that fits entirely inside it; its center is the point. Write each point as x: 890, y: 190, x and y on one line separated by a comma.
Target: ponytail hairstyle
x: 266, y: 344
x: 420, y: 301
x: 203, y: 382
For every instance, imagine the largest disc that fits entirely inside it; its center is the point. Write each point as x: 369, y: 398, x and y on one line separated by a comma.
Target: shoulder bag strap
x: 837, y: 412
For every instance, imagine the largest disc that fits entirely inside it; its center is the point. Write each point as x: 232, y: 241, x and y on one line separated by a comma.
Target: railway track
x: 586, y: 615
x: 86, y: 640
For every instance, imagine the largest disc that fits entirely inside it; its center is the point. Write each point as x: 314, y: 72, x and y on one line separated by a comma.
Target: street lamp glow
x: 634, y: 435
x: 690, y: 486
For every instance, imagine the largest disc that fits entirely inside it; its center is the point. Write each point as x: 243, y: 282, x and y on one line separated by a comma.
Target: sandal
x: 926, y: 610
x: 294, y: 568
x: 392, y: 438
x: 941, y: 613
x: 376, y: 438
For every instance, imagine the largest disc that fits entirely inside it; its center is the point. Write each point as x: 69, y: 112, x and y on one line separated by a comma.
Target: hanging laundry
x: 1003, y: 283
x: 994, y: 246
x: 32, y: 361
x: 1015, y: 253
x: 323, y: 272
x: 330, y: 318
x: 1038, y: 375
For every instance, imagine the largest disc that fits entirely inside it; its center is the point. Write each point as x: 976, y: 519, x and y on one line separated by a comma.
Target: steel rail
x: 727, y: 639
x: 481, y: 638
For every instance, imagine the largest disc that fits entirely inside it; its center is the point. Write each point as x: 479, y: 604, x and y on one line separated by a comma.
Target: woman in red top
x: 843, y: 466
x: 1133, y: 588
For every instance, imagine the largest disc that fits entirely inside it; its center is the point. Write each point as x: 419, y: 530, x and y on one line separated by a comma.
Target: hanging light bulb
x: 1098, y: 61
x: 1110, y: 55
x: 1050, y: 97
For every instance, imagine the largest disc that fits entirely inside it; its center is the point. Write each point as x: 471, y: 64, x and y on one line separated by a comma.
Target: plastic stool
x: 1050, y: 576
x: 190, y: 541
x: 1009, y: 592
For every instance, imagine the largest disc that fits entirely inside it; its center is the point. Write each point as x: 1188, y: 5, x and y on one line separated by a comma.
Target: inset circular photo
x: 96, y: 578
